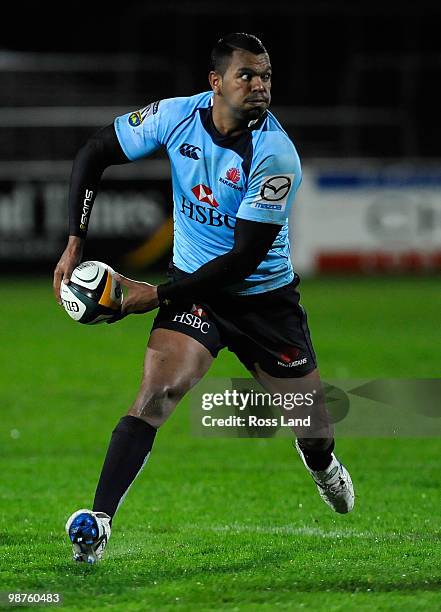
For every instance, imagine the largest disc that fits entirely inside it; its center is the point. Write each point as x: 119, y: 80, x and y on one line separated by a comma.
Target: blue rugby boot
x: 89, y: 533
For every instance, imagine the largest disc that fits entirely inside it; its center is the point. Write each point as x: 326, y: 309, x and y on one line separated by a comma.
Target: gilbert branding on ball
x: 93, y: 295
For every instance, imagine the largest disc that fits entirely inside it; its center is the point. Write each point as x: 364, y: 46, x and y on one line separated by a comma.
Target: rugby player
x: 235, y: 174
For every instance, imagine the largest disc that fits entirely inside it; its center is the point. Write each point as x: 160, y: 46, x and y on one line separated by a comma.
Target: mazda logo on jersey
x: 189, y: 150
x: 206, y: 215
x: 273, y: 192
x: 275, y: 188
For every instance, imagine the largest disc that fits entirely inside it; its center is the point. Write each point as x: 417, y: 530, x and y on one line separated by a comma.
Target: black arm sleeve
x: 252, y: 241
x: 99, y: 152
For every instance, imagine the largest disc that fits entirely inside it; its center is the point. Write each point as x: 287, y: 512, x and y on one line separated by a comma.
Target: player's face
x: 246, y: 84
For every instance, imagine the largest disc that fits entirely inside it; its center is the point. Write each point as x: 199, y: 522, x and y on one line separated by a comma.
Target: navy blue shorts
x: 269, y: 328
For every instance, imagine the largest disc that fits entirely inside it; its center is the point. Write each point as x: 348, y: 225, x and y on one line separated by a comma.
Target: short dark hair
x: 224, y: 48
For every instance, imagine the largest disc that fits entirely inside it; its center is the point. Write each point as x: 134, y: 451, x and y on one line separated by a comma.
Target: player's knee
x: 155, y: 401
x: 164, y: 392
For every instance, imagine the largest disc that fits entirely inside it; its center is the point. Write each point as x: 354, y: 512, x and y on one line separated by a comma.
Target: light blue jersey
x: 217, y: 179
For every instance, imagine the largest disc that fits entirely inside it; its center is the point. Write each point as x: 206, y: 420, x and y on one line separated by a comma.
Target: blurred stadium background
x: 357, y: 86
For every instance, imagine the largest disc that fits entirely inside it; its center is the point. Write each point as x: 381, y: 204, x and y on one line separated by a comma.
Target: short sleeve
x: 272, y: 188
x: 140, y: 132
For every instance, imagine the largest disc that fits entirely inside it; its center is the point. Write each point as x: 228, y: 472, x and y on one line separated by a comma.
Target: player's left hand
x: 141, y: 297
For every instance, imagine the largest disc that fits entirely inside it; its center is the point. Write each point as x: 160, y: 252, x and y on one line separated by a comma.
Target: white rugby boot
x: 334, y: 484
x: 89, y: 533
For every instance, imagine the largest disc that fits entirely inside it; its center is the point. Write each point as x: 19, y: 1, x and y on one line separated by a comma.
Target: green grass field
x: 216, y: 524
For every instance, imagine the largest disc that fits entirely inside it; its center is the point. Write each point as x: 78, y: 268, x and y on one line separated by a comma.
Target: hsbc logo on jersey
x: 192, y: 320
x: 205, y: 215
x: 204, y: 194
x: 274, y: 191
x: 198, y: 311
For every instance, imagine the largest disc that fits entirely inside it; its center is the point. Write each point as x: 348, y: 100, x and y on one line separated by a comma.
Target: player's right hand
x: 69, y: 260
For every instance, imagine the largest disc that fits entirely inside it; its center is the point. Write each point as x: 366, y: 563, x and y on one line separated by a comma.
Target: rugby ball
x: 93, y: 295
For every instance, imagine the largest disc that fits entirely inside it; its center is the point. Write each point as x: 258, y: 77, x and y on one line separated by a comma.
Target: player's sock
x: 317, y: 460
x: 129, y: 448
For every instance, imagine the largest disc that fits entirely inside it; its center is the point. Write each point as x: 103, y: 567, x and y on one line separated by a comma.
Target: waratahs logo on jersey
x: 232, y: 177
x: 289, y: 354
x: 288, y: 358
x: 137, y: 117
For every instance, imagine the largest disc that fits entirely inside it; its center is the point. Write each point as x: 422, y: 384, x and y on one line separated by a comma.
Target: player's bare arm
x: 70, y: 258
x: 141, y: 297
x: 100, y: 151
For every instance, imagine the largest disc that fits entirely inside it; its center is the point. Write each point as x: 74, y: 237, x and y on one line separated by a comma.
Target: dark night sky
x: 314, y: 46
x: 145, y: 26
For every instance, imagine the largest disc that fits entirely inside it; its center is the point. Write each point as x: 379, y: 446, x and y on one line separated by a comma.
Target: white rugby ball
x: 93, y: 295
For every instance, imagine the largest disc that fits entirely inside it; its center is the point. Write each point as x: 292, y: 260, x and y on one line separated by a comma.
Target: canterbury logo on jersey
x: 203, y: 215
x: 189, y: 150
